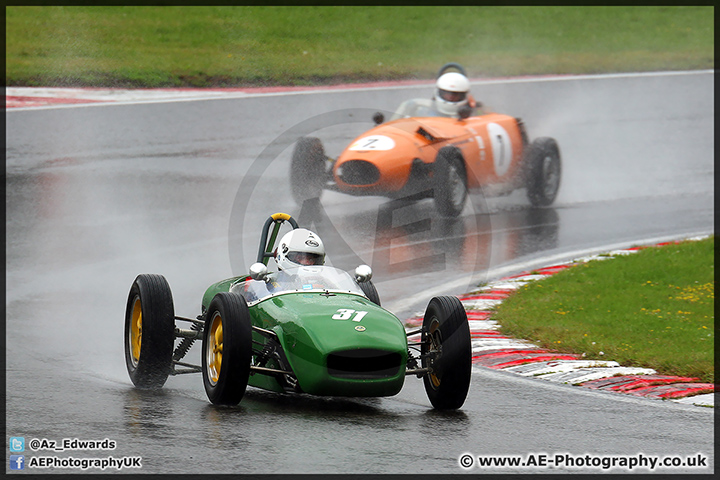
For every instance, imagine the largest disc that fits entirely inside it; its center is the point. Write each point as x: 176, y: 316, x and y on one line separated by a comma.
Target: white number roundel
x: 501, y: 148
x: 373, y: 142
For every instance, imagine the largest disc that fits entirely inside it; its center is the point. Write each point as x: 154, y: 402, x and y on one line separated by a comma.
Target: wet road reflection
x: 96, y: 196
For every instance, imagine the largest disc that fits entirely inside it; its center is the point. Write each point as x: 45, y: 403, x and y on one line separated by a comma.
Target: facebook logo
x: 17, y: 444
x: 17, y: 462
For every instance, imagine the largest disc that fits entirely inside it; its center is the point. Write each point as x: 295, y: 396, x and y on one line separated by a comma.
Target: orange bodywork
x: 491, y: 146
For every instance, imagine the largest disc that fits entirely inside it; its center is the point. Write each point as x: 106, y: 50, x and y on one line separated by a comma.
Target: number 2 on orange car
x: 347, y: 313
x: 373, y: 142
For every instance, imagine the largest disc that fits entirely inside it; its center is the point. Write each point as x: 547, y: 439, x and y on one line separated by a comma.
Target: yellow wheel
x: 135, y: 331
x: 149, y: 331
x: 227, y: 349
x: 215, y: 348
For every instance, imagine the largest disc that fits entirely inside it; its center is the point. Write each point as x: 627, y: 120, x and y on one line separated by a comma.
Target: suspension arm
x: 185, y: 333
x: 413, y: 332
x: 266, y: 370
x: 194, y: 322
x: 189, y: 368
x: 268, y: 333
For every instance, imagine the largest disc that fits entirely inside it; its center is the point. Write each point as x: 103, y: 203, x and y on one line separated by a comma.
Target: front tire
x: 447, y: 352
x: 307, y: 170
x: 542, y: 171
x: 226, y: 349
x: 370, y: 291
x: 449, y: 182
x: 149, y: 331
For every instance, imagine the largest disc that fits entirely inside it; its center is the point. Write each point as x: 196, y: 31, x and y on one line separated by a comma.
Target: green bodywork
x: 215, y: 288
x: 313, y: 327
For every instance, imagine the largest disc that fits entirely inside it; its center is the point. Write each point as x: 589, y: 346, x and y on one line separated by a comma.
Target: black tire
x: 307, y: 170
x: 449, y: 182
x: 370, y: 291
x: 228, y: 331
x: 542, y: 171
x: 149, y: 331
x: 447, y: 351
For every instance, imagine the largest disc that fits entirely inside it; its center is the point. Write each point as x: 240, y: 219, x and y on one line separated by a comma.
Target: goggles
x: 453, y: 97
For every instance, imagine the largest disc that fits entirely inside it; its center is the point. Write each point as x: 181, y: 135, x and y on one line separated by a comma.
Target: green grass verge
x: 203, y: 46
x: 653, y: 309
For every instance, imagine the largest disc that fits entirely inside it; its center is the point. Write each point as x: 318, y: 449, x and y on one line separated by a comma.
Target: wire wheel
x: 551, y: 176
x: 449, y: 182
x: 542, y: 171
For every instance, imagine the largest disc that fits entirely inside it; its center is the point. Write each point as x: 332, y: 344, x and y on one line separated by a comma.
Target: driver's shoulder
x: 415, y: 107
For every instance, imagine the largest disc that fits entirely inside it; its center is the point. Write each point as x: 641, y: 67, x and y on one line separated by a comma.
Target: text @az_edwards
x: 66, y: 444
x: 19, y: 461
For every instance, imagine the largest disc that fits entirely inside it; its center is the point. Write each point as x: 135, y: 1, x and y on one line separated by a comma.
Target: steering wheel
x: 449, y: 66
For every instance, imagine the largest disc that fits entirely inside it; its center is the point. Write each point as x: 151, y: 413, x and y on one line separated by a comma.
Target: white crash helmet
x: 299, y: 248
x: 451, y: 92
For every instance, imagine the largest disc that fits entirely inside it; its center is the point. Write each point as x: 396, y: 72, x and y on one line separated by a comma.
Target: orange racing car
x: 440, y: 148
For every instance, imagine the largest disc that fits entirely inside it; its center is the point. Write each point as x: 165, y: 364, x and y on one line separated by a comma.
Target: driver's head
x: 299, y: 248
x: 451, y: 92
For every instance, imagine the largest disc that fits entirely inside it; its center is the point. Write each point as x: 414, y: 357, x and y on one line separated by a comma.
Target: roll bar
x: 266, y: 246
x: 448, y: 66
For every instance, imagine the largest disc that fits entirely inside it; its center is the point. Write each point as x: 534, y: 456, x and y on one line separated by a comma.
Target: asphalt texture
x: 96, y: 195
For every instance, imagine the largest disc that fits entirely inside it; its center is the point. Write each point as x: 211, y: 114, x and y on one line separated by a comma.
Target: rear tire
x: 307, y: 170
x: 226, y: 349
x: 449, y: 182
x: 446, y: 349
x: 149, y: 331
x: 542, y: 171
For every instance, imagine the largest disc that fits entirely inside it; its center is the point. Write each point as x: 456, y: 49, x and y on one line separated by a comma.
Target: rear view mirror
x: 465, y: 111
x: 363, y: 273
x: 258, y: 271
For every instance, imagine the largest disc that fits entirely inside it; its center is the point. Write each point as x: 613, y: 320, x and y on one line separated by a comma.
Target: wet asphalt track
x: 96, y: 195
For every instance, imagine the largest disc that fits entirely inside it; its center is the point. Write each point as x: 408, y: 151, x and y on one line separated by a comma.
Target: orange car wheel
x: 449, y: 182
x: 307, y: 170
x: 542, y: 174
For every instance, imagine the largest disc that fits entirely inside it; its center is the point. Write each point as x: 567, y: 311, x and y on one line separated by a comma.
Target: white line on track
x: 108, y: 97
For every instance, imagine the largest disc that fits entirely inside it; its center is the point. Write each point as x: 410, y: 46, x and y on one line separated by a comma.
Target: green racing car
x: 306, y: 329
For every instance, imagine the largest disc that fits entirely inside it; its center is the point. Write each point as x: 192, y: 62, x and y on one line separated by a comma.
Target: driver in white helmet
x: 452, y: 92
x: 298, y: 248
